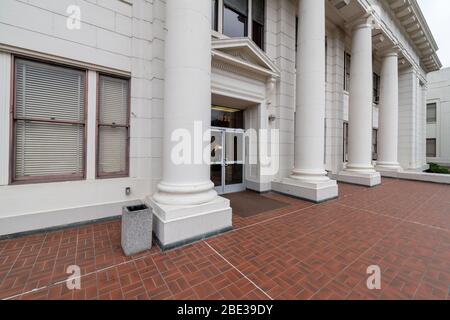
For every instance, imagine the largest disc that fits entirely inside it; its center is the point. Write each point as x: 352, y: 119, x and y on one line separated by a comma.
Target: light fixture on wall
x: 272, y: 118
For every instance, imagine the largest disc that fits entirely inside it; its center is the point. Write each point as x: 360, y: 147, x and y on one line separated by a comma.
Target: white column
x: 310, y: 93
x: 309, y: 179
x: 187, y: 101
x: 388, y: 116
x: 360, y: 169
x: 186, y: 205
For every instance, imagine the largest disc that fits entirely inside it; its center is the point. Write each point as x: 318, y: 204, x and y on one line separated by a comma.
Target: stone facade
x: 133, y: 39
x: 439, y: 93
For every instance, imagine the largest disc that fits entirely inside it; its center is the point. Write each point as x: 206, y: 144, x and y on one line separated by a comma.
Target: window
x: 214, y: 15
x: 376, y: 88
x: 113, y: 127
x: 326, y: 59
x: 375, y: 144
x: 431, y: 113
x: 347, y: 66
x: 345, y: 144
x: 258, y: 13
x: 240, y: 18
x: 431, y: 148
x: 48, y: 123
x: 224, y: 117
x: 235, y: 18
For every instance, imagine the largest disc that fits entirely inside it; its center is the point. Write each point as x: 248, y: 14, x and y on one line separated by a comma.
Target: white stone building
x: 92, y: 92
x: 438, y: 117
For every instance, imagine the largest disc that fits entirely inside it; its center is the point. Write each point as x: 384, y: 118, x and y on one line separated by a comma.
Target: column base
x: 368, y: 179
x: 176, y: 226
x: 312, y: 191
x: 260, y: 187
x: 389, y: 170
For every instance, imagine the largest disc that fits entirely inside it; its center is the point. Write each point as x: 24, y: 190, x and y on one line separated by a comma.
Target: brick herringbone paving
x: 302, y: 251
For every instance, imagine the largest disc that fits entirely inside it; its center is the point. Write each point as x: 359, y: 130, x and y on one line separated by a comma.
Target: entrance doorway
x: 227, y: 160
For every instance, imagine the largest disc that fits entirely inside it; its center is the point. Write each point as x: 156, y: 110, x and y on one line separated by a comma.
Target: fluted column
x: 187, y: 102
x: 309, y: 179
x: 360, y: 169
x: 388, y: 116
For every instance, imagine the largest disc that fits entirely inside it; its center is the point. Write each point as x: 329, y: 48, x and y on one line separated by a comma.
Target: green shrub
x: 435, y: 168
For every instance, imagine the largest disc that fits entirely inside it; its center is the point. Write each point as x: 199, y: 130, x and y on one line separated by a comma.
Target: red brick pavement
x: 302, y: 251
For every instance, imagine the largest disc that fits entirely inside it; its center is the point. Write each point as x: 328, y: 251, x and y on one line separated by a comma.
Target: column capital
x: 392, y: 51
x: 365, y: 21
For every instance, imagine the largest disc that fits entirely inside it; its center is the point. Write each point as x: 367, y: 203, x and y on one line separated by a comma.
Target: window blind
x: 48, y: 120
x: 113, y: 126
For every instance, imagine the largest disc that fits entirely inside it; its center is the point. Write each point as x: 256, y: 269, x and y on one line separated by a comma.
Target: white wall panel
x: 5, y: 92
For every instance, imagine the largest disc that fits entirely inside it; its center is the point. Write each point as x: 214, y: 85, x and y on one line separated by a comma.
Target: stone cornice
x: 410, y: 17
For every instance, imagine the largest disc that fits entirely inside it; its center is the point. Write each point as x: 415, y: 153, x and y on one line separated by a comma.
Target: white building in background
x: 438, y: 117
x: 91, y: 93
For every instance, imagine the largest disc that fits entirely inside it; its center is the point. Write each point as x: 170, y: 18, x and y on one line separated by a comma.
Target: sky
x: 437, y: 14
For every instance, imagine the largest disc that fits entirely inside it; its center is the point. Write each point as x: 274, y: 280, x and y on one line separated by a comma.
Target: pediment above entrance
x: 244, y: 54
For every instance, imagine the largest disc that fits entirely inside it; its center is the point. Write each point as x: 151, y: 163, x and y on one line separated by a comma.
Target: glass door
x: 217, y: 159
x: 227, y: 160
x: 234, y: 161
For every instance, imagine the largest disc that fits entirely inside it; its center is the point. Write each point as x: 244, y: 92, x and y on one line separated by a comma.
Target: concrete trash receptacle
x: 136, y: 229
